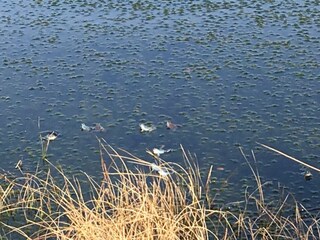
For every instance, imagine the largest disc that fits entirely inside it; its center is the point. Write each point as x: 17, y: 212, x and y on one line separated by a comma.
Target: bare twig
x: 291, y: 158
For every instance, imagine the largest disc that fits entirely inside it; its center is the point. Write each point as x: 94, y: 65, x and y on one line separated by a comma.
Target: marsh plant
x: 132, y: 201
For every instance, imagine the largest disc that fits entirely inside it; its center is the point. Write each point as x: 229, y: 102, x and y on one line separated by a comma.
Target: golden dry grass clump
x: 137, y: 199
x: 127, y: 203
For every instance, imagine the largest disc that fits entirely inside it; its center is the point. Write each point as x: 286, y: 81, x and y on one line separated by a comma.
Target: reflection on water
x: 231, y: 74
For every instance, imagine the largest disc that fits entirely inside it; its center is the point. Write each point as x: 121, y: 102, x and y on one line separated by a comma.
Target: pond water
x: 231, y: 73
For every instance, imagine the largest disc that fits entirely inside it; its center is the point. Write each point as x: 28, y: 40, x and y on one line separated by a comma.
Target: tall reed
x: 125, y: 203
x: 139, y: 199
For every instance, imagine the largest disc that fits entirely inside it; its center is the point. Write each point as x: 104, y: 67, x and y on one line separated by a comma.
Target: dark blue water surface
x: 232, y: 73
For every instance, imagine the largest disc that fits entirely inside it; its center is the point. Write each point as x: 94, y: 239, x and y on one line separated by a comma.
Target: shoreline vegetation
x: 136, y: 199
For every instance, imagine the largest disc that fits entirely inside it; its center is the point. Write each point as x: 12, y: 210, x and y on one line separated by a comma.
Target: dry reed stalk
x: 136, y: 203
x: 289, y: 157
x: 269, y: 222
x: 125, y: 204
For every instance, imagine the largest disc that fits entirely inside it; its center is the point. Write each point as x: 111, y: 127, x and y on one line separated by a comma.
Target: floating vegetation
x: 233, y: 72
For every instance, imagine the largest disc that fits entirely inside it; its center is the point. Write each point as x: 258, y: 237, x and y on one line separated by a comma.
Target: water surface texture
x: 231, y: 73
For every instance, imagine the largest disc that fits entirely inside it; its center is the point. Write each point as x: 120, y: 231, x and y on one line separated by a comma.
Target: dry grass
x: 130, y: 201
